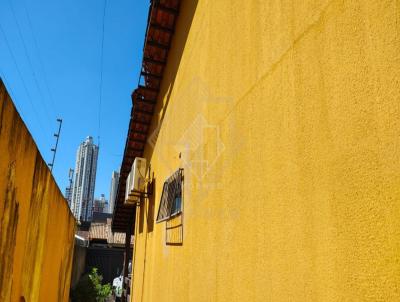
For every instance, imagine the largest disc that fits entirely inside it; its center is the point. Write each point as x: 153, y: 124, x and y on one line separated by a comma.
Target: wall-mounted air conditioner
x: 135, y: 183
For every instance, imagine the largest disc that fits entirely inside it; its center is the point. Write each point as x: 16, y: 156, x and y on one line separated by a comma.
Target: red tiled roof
x: 101, y: 230
x: 160, y: 29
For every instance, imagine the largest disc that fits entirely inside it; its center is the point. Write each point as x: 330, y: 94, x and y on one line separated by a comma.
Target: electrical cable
x: 6, y: 83
x: 22, y: 79
x: 50, y: 94
x: 29, y: 61
x: 101, y: 73
x: 11, y: 93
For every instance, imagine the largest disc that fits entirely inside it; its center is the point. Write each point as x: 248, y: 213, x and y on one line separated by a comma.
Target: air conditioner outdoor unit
x: 135, y: 183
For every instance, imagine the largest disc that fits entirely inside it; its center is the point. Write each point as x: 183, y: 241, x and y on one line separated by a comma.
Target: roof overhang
x: 160, y: 30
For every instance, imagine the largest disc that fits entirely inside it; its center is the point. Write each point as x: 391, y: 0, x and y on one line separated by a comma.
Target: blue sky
x: 50, y: 61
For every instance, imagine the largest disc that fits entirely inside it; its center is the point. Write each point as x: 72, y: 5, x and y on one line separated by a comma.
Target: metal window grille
x: 171, y: 197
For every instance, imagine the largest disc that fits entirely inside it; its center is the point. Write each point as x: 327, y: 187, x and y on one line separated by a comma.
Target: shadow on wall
x: 141, y: 214
x: 150, y: 208
x: 182, y: 29
x: 78, y: 266
x: 146, y: 209
x: 174, y: 231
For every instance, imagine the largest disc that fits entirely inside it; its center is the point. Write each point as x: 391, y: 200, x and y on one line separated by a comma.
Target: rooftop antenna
x: 54, y: 150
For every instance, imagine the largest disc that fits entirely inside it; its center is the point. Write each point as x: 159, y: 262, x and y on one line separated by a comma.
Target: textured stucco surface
x: 298, y: 196
x: 36, y: 226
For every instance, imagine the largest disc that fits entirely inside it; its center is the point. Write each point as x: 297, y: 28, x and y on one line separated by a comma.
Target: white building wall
x: 113, y: 190
x: 85, y: 180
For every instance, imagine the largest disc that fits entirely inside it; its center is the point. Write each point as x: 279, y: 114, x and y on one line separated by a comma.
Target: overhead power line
x: 21, y: 77
x: 101, y: 71
x: 49, y: 92
x: 29, y: 61
x: 7, y: 84
x: 11, y: 93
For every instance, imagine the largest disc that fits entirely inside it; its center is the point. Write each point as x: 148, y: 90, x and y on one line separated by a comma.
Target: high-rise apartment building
x: 84, y: 181
x: 113, y: 190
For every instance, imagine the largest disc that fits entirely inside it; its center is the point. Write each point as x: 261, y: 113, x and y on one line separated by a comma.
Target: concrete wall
x: 36, y: 226
x: 78, y: 264
x: 285, y: 116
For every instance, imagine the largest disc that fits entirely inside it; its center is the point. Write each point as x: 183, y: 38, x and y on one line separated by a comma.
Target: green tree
x: 102, y: 291
x: 90, y: 288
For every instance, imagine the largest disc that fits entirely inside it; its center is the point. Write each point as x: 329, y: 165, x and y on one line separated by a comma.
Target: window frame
x: 167, y: 203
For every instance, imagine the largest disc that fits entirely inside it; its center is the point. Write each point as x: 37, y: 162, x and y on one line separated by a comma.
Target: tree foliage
x: 90, y: 288
x: 102, y: 291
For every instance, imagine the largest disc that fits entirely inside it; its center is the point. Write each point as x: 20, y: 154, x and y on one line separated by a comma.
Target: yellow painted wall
x: 299, y: 199
x: 36, y: 226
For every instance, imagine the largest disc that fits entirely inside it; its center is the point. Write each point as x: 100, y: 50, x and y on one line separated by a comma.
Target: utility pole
x: 54, y: 150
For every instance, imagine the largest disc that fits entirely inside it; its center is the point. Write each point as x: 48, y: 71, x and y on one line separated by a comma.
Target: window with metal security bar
x: 171, y: 198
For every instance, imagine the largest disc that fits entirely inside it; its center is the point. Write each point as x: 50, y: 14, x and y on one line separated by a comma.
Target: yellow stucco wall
x: 36, y: 225
x: 299, y: 198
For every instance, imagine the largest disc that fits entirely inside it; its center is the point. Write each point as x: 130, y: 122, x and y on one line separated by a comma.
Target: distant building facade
x: 68, y: 190
x: 84, y: 180
x: 68, y: 195
x: 100, y: 205
x: 113, y: 189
